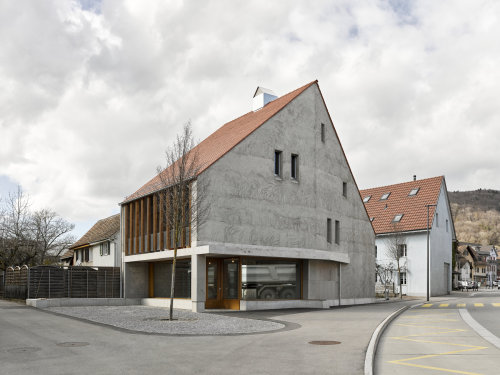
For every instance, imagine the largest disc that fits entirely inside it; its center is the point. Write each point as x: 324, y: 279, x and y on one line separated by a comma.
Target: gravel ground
x: 155, y: 320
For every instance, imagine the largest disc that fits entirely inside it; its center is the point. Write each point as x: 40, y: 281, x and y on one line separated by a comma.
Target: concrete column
x: 198, y: 282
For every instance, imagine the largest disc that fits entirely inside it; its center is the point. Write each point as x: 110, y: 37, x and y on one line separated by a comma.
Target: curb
x: 372, y: 346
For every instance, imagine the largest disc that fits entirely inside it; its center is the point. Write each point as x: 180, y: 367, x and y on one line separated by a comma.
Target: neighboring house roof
x: 102, y: 230
x: 226, y: 138
x: 399, y: 202
x: 67, y: 255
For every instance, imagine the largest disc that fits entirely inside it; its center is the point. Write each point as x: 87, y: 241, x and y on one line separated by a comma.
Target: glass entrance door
x: 223, y: 283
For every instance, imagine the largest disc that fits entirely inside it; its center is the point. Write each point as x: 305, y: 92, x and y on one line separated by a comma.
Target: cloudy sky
x: 92, y: 92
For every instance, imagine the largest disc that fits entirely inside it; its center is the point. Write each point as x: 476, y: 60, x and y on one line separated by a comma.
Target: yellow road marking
x: 461, y: 304
x: 427, y: 305
x: 444, y: 305
x: 496, y: 304
x: 436, y: 331
x: 479, y: 304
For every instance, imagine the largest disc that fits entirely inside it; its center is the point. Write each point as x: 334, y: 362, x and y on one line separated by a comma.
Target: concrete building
x: 287, y: 226
x: 400, y: 211
x: 100, y: 246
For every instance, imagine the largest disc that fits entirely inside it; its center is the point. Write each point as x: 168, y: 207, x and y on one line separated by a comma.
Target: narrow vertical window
x: 437, y: 219
x: 447, y: 224
x: 329, y: 230
x: 322, y: 132
x: 294, y: 173
x: 344, y: 189
x: 375, y: 251
x: 337, y: 232
x: 277, y: 163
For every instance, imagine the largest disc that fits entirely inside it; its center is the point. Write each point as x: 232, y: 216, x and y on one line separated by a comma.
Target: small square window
x: 397, y: 218
x: 337, y: 232
x: 366, y: 199
x: 277, y: 163
x: 385, y: 196
x: 329, y: 230
x: 413, y: 192
x: 294, y: 172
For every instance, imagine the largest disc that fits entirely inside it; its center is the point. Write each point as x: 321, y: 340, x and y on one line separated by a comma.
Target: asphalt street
x: 37, y: 342
x: 434, y: 338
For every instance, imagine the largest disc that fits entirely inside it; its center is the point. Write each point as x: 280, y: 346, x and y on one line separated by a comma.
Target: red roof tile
x: 227, y: 137
x: 101, y: 231
x: 413, y: 208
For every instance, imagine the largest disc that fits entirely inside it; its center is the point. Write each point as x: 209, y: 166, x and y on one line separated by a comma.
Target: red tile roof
x: 227, y: 137
x: 102, y: 230
x: 413, y: 208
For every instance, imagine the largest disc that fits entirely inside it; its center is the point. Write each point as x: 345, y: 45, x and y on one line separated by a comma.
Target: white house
x: 100, y: 246
x: 402, y: 210
x: 286, y: 228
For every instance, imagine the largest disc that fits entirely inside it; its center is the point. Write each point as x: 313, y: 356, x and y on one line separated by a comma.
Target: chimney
x: 414, y: 177
x: 261, y: 97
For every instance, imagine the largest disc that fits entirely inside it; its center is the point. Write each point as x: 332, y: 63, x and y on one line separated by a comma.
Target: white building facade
x: 412, y: 230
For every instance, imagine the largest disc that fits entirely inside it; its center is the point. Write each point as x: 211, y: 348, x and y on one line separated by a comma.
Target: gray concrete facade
x: 254, y: 213
x: 250, y: 205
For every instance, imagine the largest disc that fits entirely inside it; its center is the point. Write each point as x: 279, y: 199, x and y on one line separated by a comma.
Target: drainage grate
x: 324, y: 342
x: 26, y: 349
x: 72, y: 344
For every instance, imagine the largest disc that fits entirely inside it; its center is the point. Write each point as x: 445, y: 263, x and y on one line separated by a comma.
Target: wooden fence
x: 61, y: 282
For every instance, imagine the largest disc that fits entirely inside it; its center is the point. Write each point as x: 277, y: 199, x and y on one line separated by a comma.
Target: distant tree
x: 183, y: 199
x: 28, y: 237
x: 396, y: 252
x: 51, y: 234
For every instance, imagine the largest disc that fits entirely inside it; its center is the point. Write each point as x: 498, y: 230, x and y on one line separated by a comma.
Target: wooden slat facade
x: 145, y: 227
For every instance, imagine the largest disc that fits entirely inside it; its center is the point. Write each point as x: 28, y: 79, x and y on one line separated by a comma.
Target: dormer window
x: 397, y: 218
x: 366, y: 199
x: 413, y: 192
x: 385, y: 196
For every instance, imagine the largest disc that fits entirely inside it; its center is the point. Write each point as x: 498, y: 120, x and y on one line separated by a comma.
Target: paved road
x: 37, y: 342
x: 435, y: 339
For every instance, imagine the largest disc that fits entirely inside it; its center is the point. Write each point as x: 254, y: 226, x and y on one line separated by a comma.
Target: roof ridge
x: 402, y: 183
x: 218, y: 143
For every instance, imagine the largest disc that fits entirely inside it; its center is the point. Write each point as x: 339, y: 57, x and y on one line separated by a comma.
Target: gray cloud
x: 94, y: 91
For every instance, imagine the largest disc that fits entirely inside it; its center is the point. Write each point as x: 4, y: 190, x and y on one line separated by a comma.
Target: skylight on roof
x: 385, y: 196
x: 372, y: 218
x: 397, y: 218
x: 367, y: 198
x: 413, y: 192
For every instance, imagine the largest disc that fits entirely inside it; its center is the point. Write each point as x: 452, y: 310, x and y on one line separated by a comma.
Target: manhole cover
x: 324, y: 342
x: 72, y: 344
x: 26, y: 349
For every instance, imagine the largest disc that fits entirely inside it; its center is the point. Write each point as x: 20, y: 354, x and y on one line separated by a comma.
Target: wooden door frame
x: 220, y: 302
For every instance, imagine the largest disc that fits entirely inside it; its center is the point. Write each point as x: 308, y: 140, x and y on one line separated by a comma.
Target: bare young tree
x: 183, y: 200
x: 396, y: 253
x: 385, y: 271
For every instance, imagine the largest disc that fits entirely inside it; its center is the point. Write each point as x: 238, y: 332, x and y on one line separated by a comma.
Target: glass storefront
x: 270, y: 279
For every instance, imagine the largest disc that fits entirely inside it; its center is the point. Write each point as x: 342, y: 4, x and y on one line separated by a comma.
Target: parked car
x: 463, y: 284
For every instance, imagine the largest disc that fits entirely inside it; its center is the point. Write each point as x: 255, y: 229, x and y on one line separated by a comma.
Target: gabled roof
x: 226, y: 138
x: 102, y: 230
x: 68, y: 254
x: 413, y: 208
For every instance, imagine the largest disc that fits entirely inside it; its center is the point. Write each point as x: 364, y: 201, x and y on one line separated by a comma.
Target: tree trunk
x: 172, y: 285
